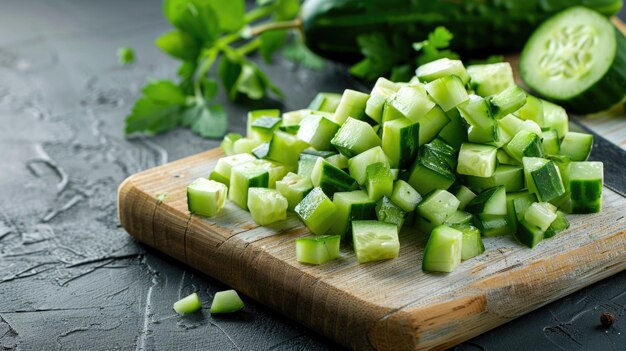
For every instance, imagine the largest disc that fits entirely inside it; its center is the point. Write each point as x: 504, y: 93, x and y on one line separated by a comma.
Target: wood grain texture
x: 389, y: 305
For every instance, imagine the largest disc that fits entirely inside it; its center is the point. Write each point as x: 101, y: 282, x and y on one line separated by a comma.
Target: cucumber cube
x: 558, y: 225
x: 477, y: 160
x: 479, y: 135
x: 504, y: 158
x: 532, y: 110
x: 459, y: 217
x: 494, y: 225
x: 387, y: 211
x: 379, y: 181
x: 338, y: 160
x: 507, y: 101
x: 439, y: 149
x: 472, y: 243
x: 540, y: 214
x: 325, y: 102
x: 437, y: 206
x: 317, y: 131
x: 524, y: 144
x: 229, y: 142
x: 330, y: 178
x: 490, y: 79
x: 225, y: 165
x: 554, y: 116
x: 357, y: 165
x: 550, y: 142
x: 205, y: 197
x: 293, y: 118
x: 577, y: 146
x: 382, y: 90
x: 261, y: 151
x: 477, y: 112
x: 248, y: 175
x: 431, y: 124
x: 454, y: 133
x: 491, y: 201
x: 245, y: 145
x: 351, y: 205
x: 253, y: 116
x: 522, y: 203
x: 352, y: 104
x: 354, y: 137
x: 409, y: 102
x: 227, y: 301
x: 375, y: 241
x: 400, y: 141
x: 585, y: 185
x: 510, y: 207
x: 286, y: 148
x: 464, y: 195
x: 264, y: 127
x: 443, y: 250
x: 267, y: 205
x: 317, y: 249
x: 188, y: 304
x: 440, y: 68
x: 294, y: 188
x: 448, y: 92
x: 219, y: 178
x: 405, y: 196
x: 429, y: 173
x: 543, y: 178
x: 528, y: 234
x: 316, y: 211
x: 306, y: 163
x: 511, y: 177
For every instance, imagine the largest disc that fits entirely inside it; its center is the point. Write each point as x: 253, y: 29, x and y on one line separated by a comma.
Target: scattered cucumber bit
x: 443, y: 250
x: 472, y: 243
x: 375, y: 241
x: 294, y: 188
x: 316, y: 211
x: 267, y: 205
x: 227, y: 301
x: 585, y: 185
x: 188, y: 304
x: 206, y: 197
x: 387, y: 211
x: 351, y: 205
x: 379, y: 181
x: 317, y: 249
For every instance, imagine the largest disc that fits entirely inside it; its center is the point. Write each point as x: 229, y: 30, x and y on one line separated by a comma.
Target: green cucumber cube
x: 357, y: 166
x: 464, y: 195
x: 338, y: 160
x: 228, y: 143
x: 253, y: 116
x: 441, y: 150
x: 409, y: 102
x: 443, y: 250
x: 554, y: 116
x: 225, y: 164
x: 448, y: 92
x: 507, y: 101
x: 454, y: 133
x: 440, y: 68
x: 286, y: 148
x: 528, y: 234
x: 354, y: 137
x: 261, y: 151
x: 245, y: 176
x: 375, y: 241
x: 511, y: 177
x: 316, y: 211
x: 263, y: 127
x: 429, y: 173
x: 294, y: 188
x: 543, y: 178
x: 532, y: 110
x: 387, y: 211
x: 352, y: 104
x: 227, y: 301
x: 317, y: 249
x: 540, y: 214
x: 293, y: 118
x: 188, y: 304
x: 405, y: 196
x: 585, y: 185
x: 325, y: 102
x: 490, y: 79
x: 437, y: 206
x: 477, y: 112
x: 477, y: 160
x: 379, y: 181
x: 521, y: 203
x: 219, y: 178
x: 550, y: 142
x: 431, y: 124
x: 558, y: 225
x: 205, y: 197
x: 504, y: 158
x: 510, y: 207
x: 459, y: 217
x: 472, y: 243
x: 400, y: 141
x: 245, y: 145
x: 479, y: 135
x: 494, y: 225
x: 306, y: 163
x: 491, y: 201
x: 317, y: 131
x: 382, y: 90
x: 577, y: 146
x: 524, y: 144
x: 351, y: 205
x: 267, y: 205
x: 330, y: 178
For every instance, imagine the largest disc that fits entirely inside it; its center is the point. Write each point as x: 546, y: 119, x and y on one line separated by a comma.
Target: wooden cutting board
x: 390, y: 305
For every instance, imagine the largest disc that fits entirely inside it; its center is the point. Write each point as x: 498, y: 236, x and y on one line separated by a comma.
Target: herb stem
x: 249, y: 47
x: 204, y: 69
x: 266, y: 27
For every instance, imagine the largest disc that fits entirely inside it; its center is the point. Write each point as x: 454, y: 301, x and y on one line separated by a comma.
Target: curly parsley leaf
x: 435, y: 46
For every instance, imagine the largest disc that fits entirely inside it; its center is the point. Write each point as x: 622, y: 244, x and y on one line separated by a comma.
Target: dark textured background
x: 71, y: 278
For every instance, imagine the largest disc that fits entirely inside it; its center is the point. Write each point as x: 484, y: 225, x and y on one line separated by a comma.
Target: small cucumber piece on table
x: 511, y: 177
x: 554, y: 116
x: 440, y: 68
x: 405, y: 196
x: 458, y: 217
x: 477, y: 112
x: 317, y: 131
x: 550, y: 142
x: 585, y: 185
x: 387, y: 211
x: 225, y: 165
x: 253, y: 116
x: 264, y: 127
x: 206, y: 197
x: 430, y: 172
x: 316, y: 211
x: 267, y: 205
x: 448, y: 92
x: 477, y: 160
x: 357, y: 165
x: 491, y: 201
x: 286, y: 148
x: 352, y: 104
x: 245, y: 145
x: 409, y: 102
x: 294, y: 188
x: 507, y: 101
x: 379, y: 181
x: 576, y: 58
x: 437, y: 206
x: 228, y: 143
x: 543, y: 178
x: 330, y: 178
x: 558, y: 225
x: 227, y: 301
x: 443, y: 250
x: 400, y: 141
x: 532, y: 110
x: 351, y: 205
x: 374, y: 240
x: 248, y: 175
x: 493, y: 225
x: 524, y: 144
x: 490, y: 79
x: 354, y: 137
x: 188, y: 304
x: 577, y: 146
x: 540, y: 214
x: 325, y: 102
x: 464, y: 195
x: 472, y: 243
x: 454, y: 133
x: 293, y: 118
x: 382, y: 90
x: 528, y: 234
x: 317, y: 249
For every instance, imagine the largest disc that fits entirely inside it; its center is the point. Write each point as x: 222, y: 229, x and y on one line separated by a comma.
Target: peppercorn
x: 607, y: 319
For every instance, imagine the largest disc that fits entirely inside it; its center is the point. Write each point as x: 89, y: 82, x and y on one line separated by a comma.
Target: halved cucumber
x: 375, y: 241
x: 266, y: 206
x: 317, y: 249
x: 443, y: 250
x: 578, y: 59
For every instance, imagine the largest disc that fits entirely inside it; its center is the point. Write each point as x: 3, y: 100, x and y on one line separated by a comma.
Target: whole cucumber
x: 480, y: 27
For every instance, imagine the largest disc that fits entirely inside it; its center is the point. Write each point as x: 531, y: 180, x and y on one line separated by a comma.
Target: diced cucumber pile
x: 456, y: 154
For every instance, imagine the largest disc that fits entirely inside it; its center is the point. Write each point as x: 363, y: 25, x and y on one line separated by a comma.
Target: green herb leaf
x: 244, y: 77
x: 380, y: 55
x: 149, y: 116
x: 125, y: 55
x: 164, y: 92
x: 402, y: 73
x: 231, y: 13
x: 178, y: 44
x: 211, y: 122
x: 300, y: 54
x: 271, y: 42
x: 430, y: 49
x: 286, y: 9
